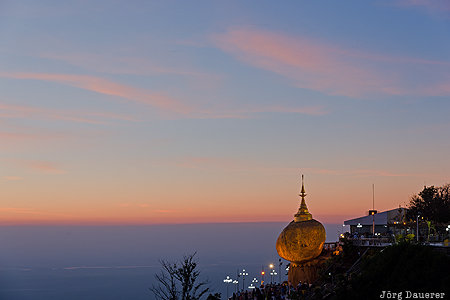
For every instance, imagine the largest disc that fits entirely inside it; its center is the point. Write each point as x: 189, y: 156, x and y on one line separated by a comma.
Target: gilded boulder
x: 301, y: 241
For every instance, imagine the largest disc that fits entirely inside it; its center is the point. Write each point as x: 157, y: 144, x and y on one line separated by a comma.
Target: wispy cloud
x: 42, y: 166
x: 164, y: 211
x: 134, y: 205
x: 140, y: 206
x: 332, y: 69
x: 16, y: 136
x: 28, y: 214
x: 142, y: 96
x: 431, y: 5
x: 16, y: 111
x: 252, y: 112
x: 107, y: 87
x: 12, y: 178
x: 214, y: 162
x: 360, y: 172
x: 114, y: 64
x: 232, y: 164
x: 6, y: 136
x: 19, y: 210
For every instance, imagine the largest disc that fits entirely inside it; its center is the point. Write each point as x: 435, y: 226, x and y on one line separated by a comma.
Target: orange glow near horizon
x: 331, y: 202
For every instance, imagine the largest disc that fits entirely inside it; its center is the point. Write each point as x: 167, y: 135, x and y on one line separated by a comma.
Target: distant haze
x: 113, y: 262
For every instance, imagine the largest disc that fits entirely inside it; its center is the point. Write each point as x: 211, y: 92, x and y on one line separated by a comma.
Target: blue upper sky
x: 175, y: 111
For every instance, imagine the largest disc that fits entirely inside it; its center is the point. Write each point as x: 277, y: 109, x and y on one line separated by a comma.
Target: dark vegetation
x: 432, y: 203
x: 180, y: 281
x: 402, y: 267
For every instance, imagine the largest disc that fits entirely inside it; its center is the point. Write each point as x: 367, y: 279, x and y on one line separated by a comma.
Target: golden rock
x: 302, y: 240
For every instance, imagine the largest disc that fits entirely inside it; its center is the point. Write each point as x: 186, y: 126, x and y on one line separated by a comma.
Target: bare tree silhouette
x: 179, y: 280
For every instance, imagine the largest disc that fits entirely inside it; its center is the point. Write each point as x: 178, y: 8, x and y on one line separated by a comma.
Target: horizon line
x: 124, y: 224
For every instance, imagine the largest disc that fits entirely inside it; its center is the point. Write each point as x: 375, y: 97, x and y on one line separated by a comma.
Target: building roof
x: 382, y: 218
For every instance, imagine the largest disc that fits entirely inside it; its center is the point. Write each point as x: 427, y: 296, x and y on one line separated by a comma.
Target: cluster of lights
x: 448, y: 228
x: 243, y: 274
x: 228, y: 280
x: 254, y: 282
x: 359, y: 225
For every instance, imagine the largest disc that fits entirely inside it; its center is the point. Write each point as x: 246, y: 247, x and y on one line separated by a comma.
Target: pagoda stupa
x: 301, y: 243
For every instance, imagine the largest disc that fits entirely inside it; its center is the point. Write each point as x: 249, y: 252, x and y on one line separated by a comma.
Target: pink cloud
x: 210, y: 162
x: 164, y: 211
x: 42, y: 166
x: 16, y: 111
x: 433, y: 5
x: 142, y: 96
x: 12, y: 178
x: 129, y: 65
x: 330, y: 69
x: 360, y: 173
x: 16, y: 136
x: 251, y: 112
x: 231, y: 164
x: 107, y: 87
x: 17, y: 210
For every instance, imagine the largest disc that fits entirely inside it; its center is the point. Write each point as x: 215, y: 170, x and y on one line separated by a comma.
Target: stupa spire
x: 303, y: 213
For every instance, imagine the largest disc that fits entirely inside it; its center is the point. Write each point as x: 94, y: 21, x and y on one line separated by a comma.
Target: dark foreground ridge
x: 406, y: 268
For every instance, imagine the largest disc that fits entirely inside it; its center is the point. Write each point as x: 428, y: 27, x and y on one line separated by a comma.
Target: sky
x: 148, y: 112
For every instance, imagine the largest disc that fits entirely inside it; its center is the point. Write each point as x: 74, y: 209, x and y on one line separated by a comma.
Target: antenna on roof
x: 373, y: 208
x: 373, y: 196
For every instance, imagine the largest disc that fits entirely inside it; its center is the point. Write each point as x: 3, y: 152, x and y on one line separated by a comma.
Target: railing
x: 330, y: 246
x: 372, y: 242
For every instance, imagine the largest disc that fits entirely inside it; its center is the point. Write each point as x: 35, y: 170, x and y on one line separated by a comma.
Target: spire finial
x: 302, y: 192
x: 303, y: 213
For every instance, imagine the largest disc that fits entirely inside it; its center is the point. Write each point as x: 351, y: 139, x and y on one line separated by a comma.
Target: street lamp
x: 271, y: 266
x: 243, y: 274
x: 272, y: 273
x: 254, y: 281
x: 279, y: 269
x: 417, y: 226
x: 227, y: 281
x: 236, y: 283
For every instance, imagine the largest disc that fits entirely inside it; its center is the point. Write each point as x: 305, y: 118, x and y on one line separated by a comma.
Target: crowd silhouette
x: 273, y: 292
